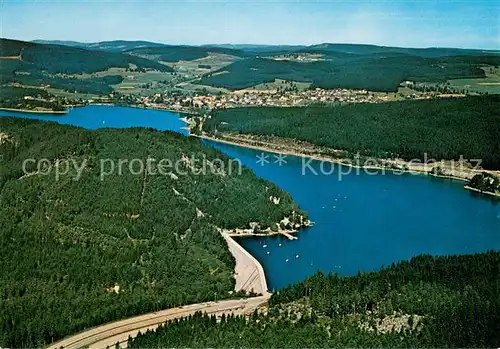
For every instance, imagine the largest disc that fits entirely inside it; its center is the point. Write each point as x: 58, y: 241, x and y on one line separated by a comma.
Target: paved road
x: 109, y: 334
x: 249, y: 276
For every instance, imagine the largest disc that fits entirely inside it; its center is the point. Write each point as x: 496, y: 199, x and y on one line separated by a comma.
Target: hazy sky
x: 470, y: 24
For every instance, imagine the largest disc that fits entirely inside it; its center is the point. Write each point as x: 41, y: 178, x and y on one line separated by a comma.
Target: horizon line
x: 263, y: 44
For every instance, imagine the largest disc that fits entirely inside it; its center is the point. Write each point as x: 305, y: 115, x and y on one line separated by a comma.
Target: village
x: 257, y: 98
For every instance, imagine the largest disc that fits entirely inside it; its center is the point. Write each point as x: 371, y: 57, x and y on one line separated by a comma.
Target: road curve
x: 118, y: 332
x: 249, y: 276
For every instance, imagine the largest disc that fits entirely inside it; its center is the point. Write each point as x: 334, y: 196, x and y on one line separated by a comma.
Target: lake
x: 99, y: 116
x: 362, y: 222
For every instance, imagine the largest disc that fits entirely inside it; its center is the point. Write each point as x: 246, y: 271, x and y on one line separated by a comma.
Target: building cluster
x: 301, y: 98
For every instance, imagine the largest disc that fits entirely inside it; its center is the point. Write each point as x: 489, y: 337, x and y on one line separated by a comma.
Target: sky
x: 424, y: 23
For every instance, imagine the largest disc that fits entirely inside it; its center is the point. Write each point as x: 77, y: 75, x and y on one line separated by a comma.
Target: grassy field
x: 405, y: 93
x: 277, y: 83
x: 193, y: 87
x: 184, y: 79
x: 71, y: 95
x: 216, y: 61
x: 490, y: 84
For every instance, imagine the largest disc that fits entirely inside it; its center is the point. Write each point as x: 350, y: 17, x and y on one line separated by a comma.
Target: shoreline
x: 244, y: 144
x: 318, y: 157
x: 62, y: 112
x: 495, y: 195
x: 170, y: 110
x: 287, y: 234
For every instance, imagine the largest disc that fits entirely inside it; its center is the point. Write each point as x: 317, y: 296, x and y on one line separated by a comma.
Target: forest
x: 368, y: 67
x: 427, y: 302
x: 344, y: 70
x: 366, y: 49
x: 55, y: 59
x: 41, y: 64
x: 14, y: 97
x: 182, y: 53
x: 80, y: 249
x: 110, y: 46
x: 441, y: 128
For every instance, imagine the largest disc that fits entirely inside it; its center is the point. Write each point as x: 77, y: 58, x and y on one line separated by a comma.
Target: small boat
x: 297, y: 256
x: 286, y: 260
x: 268, y: 252
x: 264, y: 246
x: 279, y: 245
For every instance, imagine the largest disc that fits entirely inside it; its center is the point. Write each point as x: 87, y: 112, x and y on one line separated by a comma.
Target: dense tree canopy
x: 443, y: 128
x: 376, y: 72
x: 40, y: 64
x: 485, y: 182
x: 15, y: 97
x: 451, y: 301
x: 182, y: 53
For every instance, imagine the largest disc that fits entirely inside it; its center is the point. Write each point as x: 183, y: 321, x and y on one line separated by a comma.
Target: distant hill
x: 184, y: 53
x: 357, y: 66
x: 358, y: 49
x: 372, y: 72
x: 71, y: 60
x: 60, y: 42
x: 261, y: 48
x: 364, y: 49
x: 124, y: 45
x: 40, y: 64
x: 111, y: 46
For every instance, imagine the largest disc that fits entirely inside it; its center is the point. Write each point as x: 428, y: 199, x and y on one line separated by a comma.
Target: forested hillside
x: 376, y: 72
x: 426, y: 302
x: 69, y: 60
x: 182, y: 53
x: 442, y: 128
x: 81, y: 249
x: 111, y: 46
x: 365, y: 49
x: 326, y: 66
x: 14, y: 97
x: 39, y: 64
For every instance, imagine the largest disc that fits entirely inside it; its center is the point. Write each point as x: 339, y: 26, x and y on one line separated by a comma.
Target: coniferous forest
x: 450, y: 301
x: 442, y: 128
x: 77, y: 252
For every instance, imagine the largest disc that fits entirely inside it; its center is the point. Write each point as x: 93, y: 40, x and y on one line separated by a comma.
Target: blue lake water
x: 361, y: 221
x: 99, y: 116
